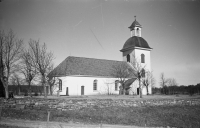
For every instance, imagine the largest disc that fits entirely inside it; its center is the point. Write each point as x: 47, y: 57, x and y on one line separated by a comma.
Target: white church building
x: 89, y: 76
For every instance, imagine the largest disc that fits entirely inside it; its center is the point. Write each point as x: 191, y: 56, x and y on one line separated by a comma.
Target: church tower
x: 136, y: 48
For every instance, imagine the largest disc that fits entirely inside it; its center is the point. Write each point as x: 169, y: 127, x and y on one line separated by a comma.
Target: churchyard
x: 151, y: 111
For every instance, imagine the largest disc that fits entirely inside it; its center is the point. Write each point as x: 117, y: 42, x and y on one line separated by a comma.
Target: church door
x: 138, y: 91
x: 67, y: 91
x: 82, y: 90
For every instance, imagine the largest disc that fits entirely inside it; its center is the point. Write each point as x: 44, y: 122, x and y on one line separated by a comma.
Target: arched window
x: 116, y: 85
x: 142, y: 58
x: 95, y: 85
x: 128, y: 58
x: 60, y: 84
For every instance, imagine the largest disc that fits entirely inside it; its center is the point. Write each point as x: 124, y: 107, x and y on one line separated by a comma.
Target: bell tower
x: 136, y: 48
x: 136, y: 51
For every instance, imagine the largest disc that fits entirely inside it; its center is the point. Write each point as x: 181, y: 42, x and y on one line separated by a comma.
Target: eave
x: 133, y: 47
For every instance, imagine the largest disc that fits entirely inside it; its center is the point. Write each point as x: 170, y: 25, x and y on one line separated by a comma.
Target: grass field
x: 181, y: 116
x: 8, y: 126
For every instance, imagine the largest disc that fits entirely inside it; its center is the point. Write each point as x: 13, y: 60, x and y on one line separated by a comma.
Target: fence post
x: 48, y: 118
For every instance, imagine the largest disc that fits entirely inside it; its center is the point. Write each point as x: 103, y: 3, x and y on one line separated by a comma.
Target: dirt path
x: 42, y: 124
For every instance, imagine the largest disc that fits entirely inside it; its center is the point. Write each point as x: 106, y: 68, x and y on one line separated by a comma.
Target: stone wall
x: 76, y: 104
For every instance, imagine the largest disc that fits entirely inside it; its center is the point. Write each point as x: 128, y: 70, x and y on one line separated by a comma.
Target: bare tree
x: 42, y: 60
x: 122, y: 71
x: 2, y: 66
x: 163, y: 83
x: 125, y: 70
x: 171, y: 85
x: 28, y: 68
x: 139, y: 72
x: 10, y: 50
x: 108, y: 87
x: 51, y: 80
x: 149, y: 80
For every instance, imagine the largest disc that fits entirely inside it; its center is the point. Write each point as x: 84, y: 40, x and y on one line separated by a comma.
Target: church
x: 77, y: 76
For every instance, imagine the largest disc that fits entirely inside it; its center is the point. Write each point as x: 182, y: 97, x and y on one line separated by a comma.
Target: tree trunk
x: 6, y: 92
x: 45, y: 91
x: 19, y: 91
x: 5, y: 85
x: 51, y: 90
x: 29, y: 89
x: 44, y: 86
x: 51, y: 86
x: 140, y: 89
x: 124, y: 91
x: 147, y: 90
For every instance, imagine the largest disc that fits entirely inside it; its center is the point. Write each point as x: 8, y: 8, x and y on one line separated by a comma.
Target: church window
x: 142, y: 58
x: 95, y: 85
x: 60, y: 84
x: 116, y: 85
x: 128, y: 58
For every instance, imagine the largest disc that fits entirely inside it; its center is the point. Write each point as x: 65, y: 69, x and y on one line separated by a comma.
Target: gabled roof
x: 86, y: 67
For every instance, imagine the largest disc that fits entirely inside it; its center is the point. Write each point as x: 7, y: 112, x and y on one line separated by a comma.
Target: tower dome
x: 135, y: 41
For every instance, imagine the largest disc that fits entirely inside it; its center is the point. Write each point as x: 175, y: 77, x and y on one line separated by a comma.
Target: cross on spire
x: 135, y: 17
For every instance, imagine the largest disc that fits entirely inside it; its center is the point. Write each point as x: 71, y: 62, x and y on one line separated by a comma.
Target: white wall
x: 130, y: 52
x: 104, y: 85
x: 74, y: 84
x: 135, y: 85
x: 147, y: 63
x: 136, y: 54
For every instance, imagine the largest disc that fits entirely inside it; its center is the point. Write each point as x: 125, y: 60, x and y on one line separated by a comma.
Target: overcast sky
x: 99, y: 29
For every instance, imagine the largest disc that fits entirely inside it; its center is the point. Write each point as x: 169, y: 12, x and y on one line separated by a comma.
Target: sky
x: 99, y: 29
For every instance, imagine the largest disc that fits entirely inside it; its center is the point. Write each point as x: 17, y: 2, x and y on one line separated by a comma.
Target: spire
x: 135, y: 28
x: 135, y: 24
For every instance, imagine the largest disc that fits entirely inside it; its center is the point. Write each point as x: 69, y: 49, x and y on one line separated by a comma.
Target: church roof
x: 86, y: 67
x: 135, y: 41
x: 135, y: 24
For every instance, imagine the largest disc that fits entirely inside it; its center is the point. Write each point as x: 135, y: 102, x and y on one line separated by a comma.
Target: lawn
x: 185, y: 116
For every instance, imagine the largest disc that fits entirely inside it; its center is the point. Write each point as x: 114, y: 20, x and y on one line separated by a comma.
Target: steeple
x: 136, y: 47
x: 135, y: 28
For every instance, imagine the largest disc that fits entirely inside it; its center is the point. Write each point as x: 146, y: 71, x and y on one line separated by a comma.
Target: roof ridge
x: 85, y: 66
x: 92, y: 58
